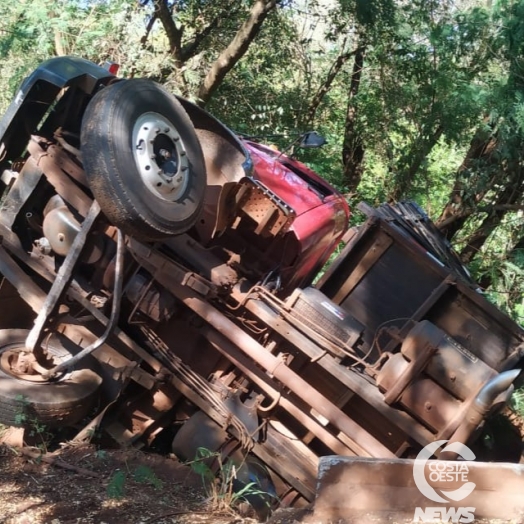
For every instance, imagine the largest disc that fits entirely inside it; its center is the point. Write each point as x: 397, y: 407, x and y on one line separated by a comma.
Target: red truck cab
x: 321, y: 213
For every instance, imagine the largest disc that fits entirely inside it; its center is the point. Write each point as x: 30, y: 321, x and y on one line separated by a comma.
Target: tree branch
x: 54, y: 461
x: 455, y: 212
x: 466, y: 213
x: 236, y: 49
x: 353, y: 146
x: 191, y: 49
x: 174, y: 33
x: 59, y: 47
x: 149, y: 27
x: 326, y: 86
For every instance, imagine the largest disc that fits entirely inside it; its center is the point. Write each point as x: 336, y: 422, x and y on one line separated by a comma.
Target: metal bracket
x: 62, y: 280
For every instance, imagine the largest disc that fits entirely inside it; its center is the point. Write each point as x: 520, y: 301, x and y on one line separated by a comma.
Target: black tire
x: 137, y: 196
x: 54, y: 404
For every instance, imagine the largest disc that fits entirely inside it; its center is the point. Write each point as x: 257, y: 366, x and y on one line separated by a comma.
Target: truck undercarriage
x: 158, y: 279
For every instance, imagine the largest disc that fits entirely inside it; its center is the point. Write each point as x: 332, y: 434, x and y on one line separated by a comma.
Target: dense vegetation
x: 419, y: 100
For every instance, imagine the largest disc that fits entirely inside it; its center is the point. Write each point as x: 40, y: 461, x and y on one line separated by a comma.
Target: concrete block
x: 358, y: 490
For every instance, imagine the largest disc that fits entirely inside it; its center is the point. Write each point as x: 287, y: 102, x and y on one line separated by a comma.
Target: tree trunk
x: 59, y: 46
x: 149, y: 27
x: 461, y: 204
x: 60, y: 49
x: 236, y: 49
x: 173, y: 33
x: 353, y: 146
x: 480, y: 235
x: 410, y: 164
x: 509, y: 196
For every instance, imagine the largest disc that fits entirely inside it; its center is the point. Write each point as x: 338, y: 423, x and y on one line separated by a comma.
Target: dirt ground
x: 108, y: 487
x: 88, y: 485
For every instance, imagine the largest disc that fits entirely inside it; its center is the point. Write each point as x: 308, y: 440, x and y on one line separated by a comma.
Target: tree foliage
x: 420, y: 99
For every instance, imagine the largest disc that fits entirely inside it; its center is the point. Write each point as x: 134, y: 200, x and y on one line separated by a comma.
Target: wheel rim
x: 160, y: 156
x: 21, y: 364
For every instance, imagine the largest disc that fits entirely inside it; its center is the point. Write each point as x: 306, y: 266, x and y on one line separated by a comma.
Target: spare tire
x: 143, y: 159
x: 28, y: 399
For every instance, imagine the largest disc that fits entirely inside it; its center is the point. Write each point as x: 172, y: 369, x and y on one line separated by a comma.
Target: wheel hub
x: 160, y: 156
x: 23, y: 365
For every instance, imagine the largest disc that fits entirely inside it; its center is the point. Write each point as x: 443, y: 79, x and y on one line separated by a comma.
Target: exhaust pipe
x: 480, y: 407
x: 493, y: 388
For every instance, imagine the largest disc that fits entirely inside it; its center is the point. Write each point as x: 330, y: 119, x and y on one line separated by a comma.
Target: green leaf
x: 116, y: 486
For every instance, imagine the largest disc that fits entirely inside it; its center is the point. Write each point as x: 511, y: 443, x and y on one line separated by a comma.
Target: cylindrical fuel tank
x: 452, y: 366
x: 422, y: 398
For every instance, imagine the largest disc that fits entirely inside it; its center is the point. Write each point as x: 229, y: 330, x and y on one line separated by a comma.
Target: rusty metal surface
x: 66, y: 163
x: 280, y: 455
x: 426, y: 338
x: 272, y: 217
x: 419, y: 287
x: 279, y: 399
x: 62, y: 183
x: 210, y: 266
x: 63, y: 277
x: 29, y: 291
x: 353, y: 381
x: 20, y: 190
x: 364, y: 442
x: 116, y: 298
x: 391, y: 350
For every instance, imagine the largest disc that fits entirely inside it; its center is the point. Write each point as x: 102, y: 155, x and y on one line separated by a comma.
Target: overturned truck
x: 157, y: 279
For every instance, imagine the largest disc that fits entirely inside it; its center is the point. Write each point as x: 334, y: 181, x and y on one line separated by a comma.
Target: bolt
x: 61, y: 237
x: 166, y: 130
x: 452, y: 377
x: 427, y: 406
x: 157, y: 130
